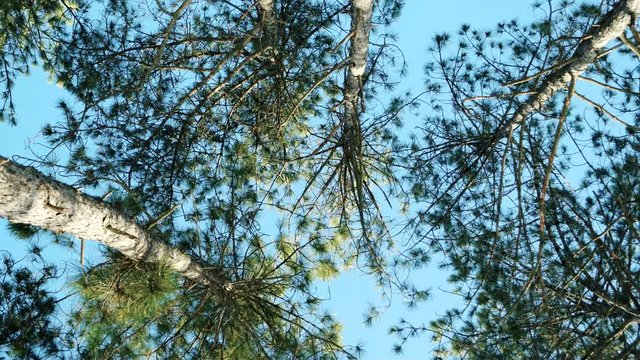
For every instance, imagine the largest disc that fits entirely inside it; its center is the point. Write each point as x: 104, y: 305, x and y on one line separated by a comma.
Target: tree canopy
x: 231, y: 154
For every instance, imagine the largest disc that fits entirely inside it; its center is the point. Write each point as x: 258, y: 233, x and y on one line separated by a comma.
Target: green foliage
x: 326, y: 269
x: 128, y: 290
x: 132, y: 310
x: 22, y: 231
x: 29, y: 328
x: 120, y: 294
x: 29, y: 32
x: 125, y: 203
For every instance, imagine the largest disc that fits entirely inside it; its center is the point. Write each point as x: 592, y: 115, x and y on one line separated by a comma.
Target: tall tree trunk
x: 266, y: 9
x: 28, y: 196
x: 361, y: 13
x: 612, y: 26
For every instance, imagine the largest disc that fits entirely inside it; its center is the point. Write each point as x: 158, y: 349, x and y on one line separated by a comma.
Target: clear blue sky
x: 351, y: 294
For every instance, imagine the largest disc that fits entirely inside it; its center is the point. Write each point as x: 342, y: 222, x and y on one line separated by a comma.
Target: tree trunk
x: 268, y: 21
x: 361, y: 13
x: 362, y: 10
x: 612, y: 25
x: 28, y: 196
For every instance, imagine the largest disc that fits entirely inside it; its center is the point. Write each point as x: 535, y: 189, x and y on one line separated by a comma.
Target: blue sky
x: 352, y: 293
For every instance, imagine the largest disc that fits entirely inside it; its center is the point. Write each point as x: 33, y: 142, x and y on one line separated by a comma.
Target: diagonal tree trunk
x: 612, y: 26
x: 28, y: 196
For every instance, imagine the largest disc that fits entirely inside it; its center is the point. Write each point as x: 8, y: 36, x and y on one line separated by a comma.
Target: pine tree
x: 30, y: 32
x: 198, y: 118
x: 196, y: 121
x: 545, y: 262
x: 29, y: 325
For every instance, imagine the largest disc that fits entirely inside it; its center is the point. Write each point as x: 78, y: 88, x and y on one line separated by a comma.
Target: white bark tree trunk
x: 361, y: 13
x: 28, y: 196
x: 266, y: 11
x: 612, y: 25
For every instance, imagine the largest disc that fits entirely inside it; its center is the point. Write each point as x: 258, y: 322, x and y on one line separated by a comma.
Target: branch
x: 605, y: 111
x: 625, y: 40
x: 612, y: 26
x: 556, y: 141
x: 30, y: 197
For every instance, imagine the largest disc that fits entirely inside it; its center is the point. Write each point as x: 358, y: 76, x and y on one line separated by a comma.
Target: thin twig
x: 607, y: 86
x: 554, y: 149
x: 483, y: 97
x: 633, y: 47
x: 605, y: 111
x: 162, y: 217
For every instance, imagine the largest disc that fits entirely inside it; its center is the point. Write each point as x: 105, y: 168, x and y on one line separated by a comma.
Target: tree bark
x: 361, y: 13
x: 612, y: 26
x: 30, y: 197
x: 267, y: 20
x: 266, y: 10
x: 351, y: 141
